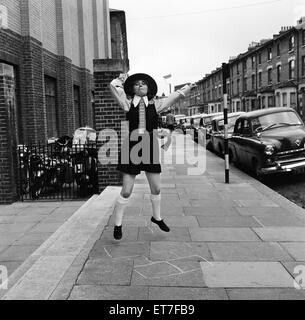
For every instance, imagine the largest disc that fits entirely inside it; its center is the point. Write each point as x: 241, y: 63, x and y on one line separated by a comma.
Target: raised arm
x: 174, y: 97
x: 117, y: 90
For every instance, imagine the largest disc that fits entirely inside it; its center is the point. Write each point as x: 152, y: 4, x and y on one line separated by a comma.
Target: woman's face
x: 140, y: 88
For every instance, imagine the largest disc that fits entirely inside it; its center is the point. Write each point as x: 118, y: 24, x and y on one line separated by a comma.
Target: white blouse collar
x: 136, y: 100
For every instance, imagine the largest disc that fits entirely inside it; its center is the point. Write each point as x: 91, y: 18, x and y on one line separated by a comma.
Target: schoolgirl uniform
x: 132, y: 106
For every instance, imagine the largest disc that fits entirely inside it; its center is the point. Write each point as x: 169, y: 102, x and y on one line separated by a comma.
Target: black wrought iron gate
x: 56, y: 172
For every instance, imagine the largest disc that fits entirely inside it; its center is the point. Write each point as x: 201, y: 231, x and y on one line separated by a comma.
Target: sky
x: 190, y: 38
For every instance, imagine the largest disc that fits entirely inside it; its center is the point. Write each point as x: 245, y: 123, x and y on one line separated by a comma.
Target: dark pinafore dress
x: 150, y: 161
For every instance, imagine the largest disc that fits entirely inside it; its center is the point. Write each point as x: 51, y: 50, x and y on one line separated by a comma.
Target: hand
x: 193, y: 85
x: 123, y: 77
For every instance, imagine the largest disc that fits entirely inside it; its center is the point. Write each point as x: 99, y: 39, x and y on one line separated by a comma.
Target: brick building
x: 269, y: 74
x: 47, y: 49
x: 51, y: 45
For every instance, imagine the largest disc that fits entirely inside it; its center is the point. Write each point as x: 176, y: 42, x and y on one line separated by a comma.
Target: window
x: 245, y: 84
x: 244, y: 65
x: 269, y: 76
x: 253, y: 81
x: 269, y: 54
x: 291, y: 43
x: 259, y: 79
x: 278, y: 49
x: 253, y: 62
x: 238, y: 86
x: 293, y: 103
x: 259, y: 58
x: 303, y: 37
x: 76, y: 100
x: 263, y: 102
x: 270, y: 102
x: 247, y: 128
x: 303, y: 66
x: 239, y: 126
x: 51, y: 107
x: 291, y: 69
x: 237, y: 69
x: 284, y: 96
x: 278, y: 73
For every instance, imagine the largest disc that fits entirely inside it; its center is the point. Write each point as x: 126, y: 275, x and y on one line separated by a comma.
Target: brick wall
x: 14, y: 18
x: 32, y: 92
x: 65, y: 96
x: 49, y: 26
x: 8, y: 137
x: 107, y: 114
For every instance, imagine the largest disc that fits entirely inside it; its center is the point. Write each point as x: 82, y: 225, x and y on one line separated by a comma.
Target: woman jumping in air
x: 135, y: 94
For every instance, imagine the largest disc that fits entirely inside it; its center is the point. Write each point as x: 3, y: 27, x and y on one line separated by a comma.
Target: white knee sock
x: 120, y: 207
x: 156, y: 205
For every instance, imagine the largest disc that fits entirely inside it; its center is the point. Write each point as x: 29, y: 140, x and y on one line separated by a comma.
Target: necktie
x: 142, y: 116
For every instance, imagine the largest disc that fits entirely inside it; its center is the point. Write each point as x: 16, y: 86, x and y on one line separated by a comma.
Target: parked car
x: 269, y: 141
x: 203, y: 132
x: 217, y: 133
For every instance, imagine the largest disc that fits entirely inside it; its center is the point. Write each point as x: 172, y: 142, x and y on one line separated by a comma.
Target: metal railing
x: 57, y: 172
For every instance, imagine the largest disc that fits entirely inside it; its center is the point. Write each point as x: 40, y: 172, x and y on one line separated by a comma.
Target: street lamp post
x: 167, y: 77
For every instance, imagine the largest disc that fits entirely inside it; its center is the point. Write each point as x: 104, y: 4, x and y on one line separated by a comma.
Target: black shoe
x: 161, y: 225
x: 117, y: 234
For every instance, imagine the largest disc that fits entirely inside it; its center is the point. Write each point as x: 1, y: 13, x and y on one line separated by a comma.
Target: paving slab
x: 100, y: 293
x: 174, y: 250
x: 290, y: 234
x: 17, y: 253
x: 8, y: 238
x: 120, y: 251
x: 230, y: 222
x: 46, y: 227
x: 16, y: 227
x: 181, y: 221
x: 246, y: 275
x: 280, y: 220
x: 262, y: 211
x: 106, y: 272
x: 255, y: 203
x: 213, y: 203
x: 33, y: 239
x: 11, y: 266
x: 40, y: 280
x: 155, y: 234
x: 295, y: 249
x: 132, y: 221
x: 266, y: 294
x: 166, y: 210
x: 248, y: 251
x: 163, y: 276
x: 162, y: 294
x: 294, y: 267
x: 210, y: 211
x: 223, y: 234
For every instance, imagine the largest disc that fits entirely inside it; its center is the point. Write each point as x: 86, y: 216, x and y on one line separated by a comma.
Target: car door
x: 236, y: 141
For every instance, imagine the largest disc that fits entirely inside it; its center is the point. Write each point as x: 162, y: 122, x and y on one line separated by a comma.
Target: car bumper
x: 284, y: 167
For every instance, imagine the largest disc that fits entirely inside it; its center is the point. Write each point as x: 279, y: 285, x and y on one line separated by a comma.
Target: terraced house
x: 269, y: 74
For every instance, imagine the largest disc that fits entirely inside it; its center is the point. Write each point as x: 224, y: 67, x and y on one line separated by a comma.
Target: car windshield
x: 275, y: 119
x: 231, y: 124
x: 207, y: 120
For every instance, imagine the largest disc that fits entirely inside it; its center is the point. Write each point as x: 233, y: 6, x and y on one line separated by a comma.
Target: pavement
x: 228, y: 241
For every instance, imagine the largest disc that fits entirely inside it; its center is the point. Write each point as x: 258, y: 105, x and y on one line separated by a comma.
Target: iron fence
x: 57, y: 172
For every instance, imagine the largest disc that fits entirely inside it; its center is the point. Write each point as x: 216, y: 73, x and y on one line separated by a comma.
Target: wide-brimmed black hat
x: 151, y: 83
